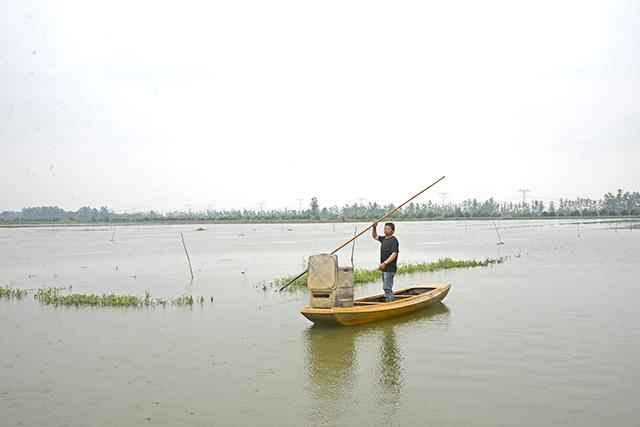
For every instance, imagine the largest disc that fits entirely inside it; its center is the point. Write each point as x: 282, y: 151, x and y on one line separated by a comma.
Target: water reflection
x: 390, y: 379
x: 341, y: 362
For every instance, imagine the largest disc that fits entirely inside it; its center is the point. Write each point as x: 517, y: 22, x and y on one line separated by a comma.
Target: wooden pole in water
x: 391, y: 212
x: 500, y: 242
x: 188, y: 259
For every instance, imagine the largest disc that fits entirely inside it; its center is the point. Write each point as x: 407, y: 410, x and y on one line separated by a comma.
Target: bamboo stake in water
x: 188, y: 259
x: 499, y: 239
x: 365, y: 230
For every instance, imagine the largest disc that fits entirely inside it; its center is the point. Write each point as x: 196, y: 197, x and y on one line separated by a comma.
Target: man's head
x: 389, y: 229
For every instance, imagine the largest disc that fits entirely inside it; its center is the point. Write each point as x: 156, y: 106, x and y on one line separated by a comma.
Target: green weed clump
x: 300, y: 282
x: 363, y: 275
x: 183, y: 300
x: 445, y: 263
x: 7, y: 292
x: 52, y: 296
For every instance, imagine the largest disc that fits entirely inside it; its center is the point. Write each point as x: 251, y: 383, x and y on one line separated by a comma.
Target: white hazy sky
x: 138, y: 105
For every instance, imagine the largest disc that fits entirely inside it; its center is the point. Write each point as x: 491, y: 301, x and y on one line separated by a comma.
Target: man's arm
x: 393, y: 256
x: 375, y: 230
x: 387, y: 261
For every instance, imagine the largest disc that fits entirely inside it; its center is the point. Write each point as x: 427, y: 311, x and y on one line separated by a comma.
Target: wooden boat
x: 374, y: 308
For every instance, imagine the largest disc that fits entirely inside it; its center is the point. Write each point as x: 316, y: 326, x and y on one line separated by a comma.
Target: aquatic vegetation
x: 184, y: 300
x: 363, y: 275
x: 48, y: 296
x: 7, y: 292
x: 201, y: 229
x: 53, y: 296
x: 444, y: 263
x: 299, y: 283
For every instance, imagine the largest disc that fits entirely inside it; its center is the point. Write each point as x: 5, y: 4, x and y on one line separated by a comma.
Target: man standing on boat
x: 388, y: 256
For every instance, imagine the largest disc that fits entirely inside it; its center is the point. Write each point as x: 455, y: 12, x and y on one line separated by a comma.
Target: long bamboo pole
x: 391, y: 212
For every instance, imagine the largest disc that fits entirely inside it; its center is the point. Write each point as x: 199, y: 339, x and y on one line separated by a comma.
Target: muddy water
x: 551, y: 337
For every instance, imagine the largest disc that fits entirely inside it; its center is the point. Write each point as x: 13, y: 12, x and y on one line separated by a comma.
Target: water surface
x: 550, y: 337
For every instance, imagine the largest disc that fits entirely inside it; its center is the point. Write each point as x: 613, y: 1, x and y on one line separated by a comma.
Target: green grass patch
x: 54, y: 296
x: 7, y: 292
x: 363, y: 275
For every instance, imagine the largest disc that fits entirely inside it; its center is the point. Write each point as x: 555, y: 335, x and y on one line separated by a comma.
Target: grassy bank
x: 362, y: 275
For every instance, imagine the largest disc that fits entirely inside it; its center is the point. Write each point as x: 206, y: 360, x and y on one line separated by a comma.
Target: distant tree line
x: 623, y: 203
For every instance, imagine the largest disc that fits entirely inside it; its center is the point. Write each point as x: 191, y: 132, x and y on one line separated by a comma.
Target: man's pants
x: 387, y: 285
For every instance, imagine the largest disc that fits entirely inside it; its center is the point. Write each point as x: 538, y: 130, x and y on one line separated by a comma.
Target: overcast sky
x: 164, y: 105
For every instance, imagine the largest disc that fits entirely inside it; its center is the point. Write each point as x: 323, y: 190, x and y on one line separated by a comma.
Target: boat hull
x: 372, y: 309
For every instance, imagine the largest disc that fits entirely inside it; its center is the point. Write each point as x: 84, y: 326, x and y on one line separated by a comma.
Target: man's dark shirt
x: 389, y: 246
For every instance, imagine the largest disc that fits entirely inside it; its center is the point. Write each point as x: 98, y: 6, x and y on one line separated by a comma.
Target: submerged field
x: 548, y: 337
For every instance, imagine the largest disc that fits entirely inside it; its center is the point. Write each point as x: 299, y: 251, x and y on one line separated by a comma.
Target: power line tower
x: 444, y: 196
x: 361, y: 200
x: 300, y: 203
x: 261, y: 205
x: 524, y: 192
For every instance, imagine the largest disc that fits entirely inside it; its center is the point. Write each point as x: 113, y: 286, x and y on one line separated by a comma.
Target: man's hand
x: 374, y: 230
x: 382, y: 266
x: 375, y: 224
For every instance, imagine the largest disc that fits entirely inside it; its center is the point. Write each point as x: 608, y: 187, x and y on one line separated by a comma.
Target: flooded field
x: 549, y: 337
